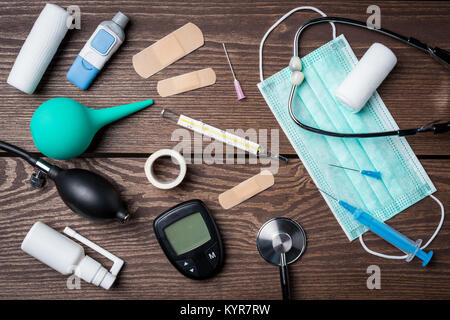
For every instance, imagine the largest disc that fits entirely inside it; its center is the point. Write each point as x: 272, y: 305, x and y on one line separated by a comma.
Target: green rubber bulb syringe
x: 63, y: 128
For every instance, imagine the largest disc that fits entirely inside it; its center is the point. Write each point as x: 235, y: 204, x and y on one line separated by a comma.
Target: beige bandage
x: 247, y: 189
x: 186, y: 82
x: 168, y: 50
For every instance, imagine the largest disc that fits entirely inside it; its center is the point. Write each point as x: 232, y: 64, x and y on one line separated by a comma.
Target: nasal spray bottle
x: 106, y: 39
x: 67, y: 257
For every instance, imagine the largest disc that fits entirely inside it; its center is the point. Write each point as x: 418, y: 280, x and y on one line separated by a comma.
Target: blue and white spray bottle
x: 106, y: 39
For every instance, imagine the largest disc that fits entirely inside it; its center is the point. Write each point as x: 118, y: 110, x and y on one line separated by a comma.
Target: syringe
x: 219, y: 135
x: 408, y: 246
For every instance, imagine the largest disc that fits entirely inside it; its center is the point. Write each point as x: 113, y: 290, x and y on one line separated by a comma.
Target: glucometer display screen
x: 187, y: 233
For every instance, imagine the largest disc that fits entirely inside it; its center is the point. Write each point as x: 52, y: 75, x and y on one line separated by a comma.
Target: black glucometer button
x: 192, y: 271
x: 185, y: 263
x: 212, y: 255
x: 190, y: 239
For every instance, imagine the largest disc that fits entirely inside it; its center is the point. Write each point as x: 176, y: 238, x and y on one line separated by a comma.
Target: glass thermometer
x: 219, y: 135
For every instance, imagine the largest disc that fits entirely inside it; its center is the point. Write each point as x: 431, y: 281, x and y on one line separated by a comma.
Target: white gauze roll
x: 366, y: 76
x: 39, y: 48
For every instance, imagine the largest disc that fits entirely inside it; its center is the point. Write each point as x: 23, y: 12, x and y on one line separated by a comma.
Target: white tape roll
x: 151, y: 175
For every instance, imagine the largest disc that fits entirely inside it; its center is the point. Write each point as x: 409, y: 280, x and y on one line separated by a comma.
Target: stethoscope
x: 281, y: 241
x: 440, y: 55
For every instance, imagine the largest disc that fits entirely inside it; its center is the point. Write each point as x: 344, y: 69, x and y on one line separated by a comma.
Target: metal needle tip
x: 327, y: 194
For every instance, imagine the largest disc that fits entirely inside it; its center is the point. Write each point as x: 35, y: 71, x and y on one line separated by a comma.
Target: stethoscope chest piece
x: 282, y: 232
x: 280, y: 242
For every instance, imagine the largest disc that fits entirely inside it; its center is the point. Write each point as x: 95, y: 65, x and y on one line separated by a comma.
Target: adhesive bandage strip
x: 247, y: 189
x: 186, y: 82
x: 169, y: 49
x: 151, y: 175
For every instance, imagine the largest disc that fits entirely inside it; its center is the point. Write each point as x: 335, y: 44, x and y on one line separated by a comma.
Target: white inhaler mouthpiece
x: 67, y: 257
x: 366, y: 76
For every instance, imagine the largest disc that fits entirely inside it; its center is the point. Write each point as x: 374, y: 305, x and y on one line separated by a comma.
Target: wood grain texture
x: 331, y: 268
x: 416, y: 92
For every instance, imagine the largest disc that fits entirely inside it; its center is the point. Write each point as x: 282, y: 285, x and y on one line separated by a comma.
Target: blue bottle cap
x: 81, y: 73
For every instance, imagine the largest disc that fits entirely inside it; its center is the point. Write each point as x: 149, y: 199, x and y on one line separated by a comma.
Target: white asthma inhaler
x: 102, y: 44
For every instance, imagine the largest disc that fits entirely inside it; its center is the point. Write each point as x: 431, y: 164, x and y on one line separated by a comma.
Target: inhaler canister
x: 64, y: 255
x: 366, y: 76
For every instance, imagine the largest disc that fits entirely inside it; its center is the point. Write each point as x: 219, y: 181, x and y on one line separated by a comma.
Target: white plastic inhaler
x: 102, y: 44
x: 366, y: 76
x: 67, y: 257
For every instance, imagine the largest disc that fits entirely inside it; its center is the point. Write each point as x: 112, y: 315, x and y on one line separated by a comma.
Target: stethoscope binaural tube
x: 440, y: 55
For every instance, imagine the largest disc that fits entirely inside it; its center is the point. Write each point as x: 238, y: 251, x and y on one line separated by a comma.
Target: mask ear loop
x: 423, y: 247
x: 261, y: 45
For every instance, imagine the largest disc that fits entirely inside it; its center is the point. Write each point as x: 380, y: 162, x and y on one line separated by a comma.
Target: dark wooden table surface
x: 331, y: 268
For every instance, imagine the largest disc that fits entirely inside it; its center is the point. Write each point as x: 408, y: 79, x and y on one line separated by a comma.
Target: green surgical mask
x: 404, y: 181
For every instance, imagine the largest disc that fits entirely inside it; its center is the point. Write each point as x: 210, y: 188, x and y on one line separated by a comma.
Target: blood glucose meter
x: 102, y: 44
x: 190, y: 239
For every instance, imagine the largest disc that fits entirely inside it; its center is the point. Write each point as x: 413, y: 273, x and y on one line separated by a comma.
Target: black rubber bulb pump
x: 88, y: 194
x: 85, y: 192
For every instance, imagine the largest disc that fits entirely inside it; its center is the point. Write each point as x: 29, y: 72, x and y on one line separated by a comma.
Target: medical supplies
x: 149, y: 172
x: 365, y: 77
x: 281, y: 241
x: 368, y: 173
x: 103, y: 43
x: 66, y: 256
x: 405, y: 182
x: 237, y: 86
x: 408, y: 246
x: 190, y: 239
x: 186, y: 82
x: 39, y: 48
x: 218, y: 134
x: 246, y: 189
x: 169, y: 49
x: 85, y: 192
x: 378, y: 63
x: 63, y: 128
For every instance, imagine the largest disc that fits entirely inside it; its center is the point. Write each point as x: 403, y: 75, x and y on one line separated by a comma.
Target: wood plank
x: 416, y: 92
x: 331, y: 268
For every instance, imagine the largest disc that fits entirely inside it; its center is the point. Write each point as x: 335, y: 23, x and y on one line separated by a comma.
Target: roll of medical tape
x: 163, y: 153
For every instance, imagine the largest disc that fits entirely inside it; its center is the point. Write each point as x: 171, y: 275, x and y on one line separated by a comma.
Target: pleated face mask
x: 403, y: 181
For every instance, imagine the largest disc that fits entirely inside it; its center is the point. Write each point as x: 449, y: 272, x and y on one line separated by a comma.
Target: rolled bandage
x: 163, y: 153
x: 39, y: 48
x: 247, y: 189
x: 186, y: 82
x: 366, y: 76
x: 169, y: 49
